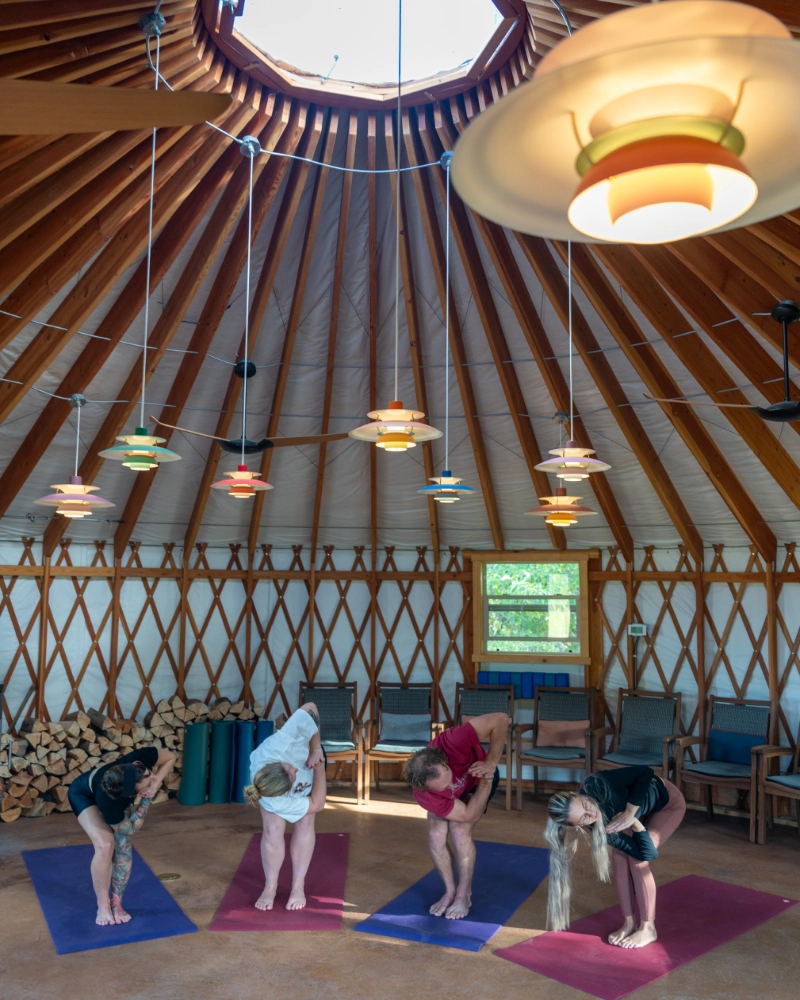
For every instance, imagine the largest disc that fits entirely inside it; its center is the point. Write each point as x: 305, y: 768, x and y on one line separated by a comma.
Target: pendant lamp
x: 448, y: 488
x: 142, y: 451
x: 396, y: 428
x: 242, y: 483
x: 572, y: 463
x: 561, y: 510
x: 73, y: 499
x: 656, y: 123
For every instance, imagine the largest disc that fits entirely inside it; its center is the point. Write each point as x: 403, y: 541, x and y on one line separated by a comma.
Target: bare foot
x: 267, y: 898
x: 104, y: 916
x: 121, y: 915
x: 297, y: 899
x: 459, y: 908
x: 625, y: 931
x: 644, y: 936
x: 439, y: 909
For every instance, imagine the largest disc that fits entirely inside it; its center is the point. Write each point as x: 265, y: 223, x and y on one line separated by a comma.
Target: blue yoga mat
x: 61, y: 878
x: 505, y: 875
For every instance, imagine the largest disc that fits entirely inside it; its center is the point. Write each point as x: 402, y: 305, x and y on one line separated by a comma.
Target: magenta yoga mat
x: 694, y: 916
x: 324, y: 891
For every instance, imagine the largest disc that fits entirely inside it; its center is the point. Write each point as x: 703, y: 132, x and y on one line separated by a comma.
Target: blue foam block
x: 527, y: 684
x: 61, y: 878
x: 505, y: 875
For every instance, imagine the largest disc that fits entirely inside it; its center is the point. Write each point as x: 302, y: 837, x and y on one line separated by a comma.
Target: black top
x: 113, y: 810
x: 612, y: 790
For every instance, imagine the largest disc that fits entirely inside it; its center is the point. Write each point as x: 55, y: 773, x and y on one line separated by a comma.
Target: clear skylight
x: 438, y: 35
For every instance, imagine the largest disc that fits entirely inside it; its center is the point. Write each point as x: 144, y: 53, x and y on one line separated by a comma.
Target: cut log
x: 78, y: 755
x: 237, y: 707
x: 42, y: 753
x: 70, y: 776
x: 19, y: 747
x: 246, y: 714
x: 153, y: 719
x: 35, y: 770
x: 40, y: 783
x: 114, y: 734
x: 52, y: 782
x: 259, y: 709
x: 83, y: 720
x: 34, y: 739
x: 125, y: 741
x: 18, y: 764
x: 72, y: 741
x: 5, y: 771
x: 59, y: 767
x: 89, y: 736
x: 55, y: 728
x: 37, y: 808
x: 106, y: 744
x: 91, y: 748
x: 72, y: 728
x: 138, y: 733
x: 9, y: 815
x: 168, y: 718
x: 98, y: 720
x: 31, y: 725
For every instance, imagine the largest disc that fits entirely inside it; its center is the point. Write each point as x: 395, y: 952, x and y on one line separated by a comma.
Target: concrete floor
x: 388, y: 852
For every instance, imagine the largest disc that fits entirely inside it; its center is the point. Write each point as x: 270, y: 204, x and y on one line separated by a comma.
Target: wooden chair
x: 648, y: 723
x: 339, y: 725
x: 735, y: 727
x: 784, y: 786
x: 560, y: 709
x: 402, y: 723
x: 482, y: 699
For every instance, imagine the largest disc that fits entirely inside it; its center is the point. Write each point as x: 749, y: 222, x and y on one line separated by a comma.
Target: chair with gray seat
x: 561, y: 734
x: 339, y: 726
x: 736, y: 726
x: 484, y: 699
x: 402, y: 723
x: 772, y: 787
x: 648, y: 723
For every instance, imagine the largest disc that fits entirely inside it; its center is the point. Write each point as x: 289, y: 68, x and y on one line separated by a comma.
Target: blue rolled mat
x: 63, y: 885
x: 527, y: 685
x: 264, y: 728
x: 219, y: 781
x: 194, y: 775
x: 483, y: 676
x: 240, y: 764
x: 505, y: 875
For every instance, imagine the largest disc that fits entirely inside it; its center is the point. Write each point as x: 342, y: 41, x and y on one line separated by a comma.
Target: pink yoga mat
x: 324, y: 891
x: 694, y: 916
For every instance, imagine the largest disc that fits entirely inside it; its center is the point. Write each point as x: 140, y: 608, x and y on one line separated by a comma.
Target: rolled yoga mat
x: 240, y: 766
x: 63, y: 885
x: 194, y: 777
x: 325, y: 882
x: 219, y: 774
x: 695, y: 915
x: 264, y: 728
x: 505, y: 875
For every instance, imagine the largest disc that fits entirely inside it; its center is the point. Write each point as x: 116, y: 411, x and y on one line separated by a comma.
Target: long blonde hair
x: 562, y: 848
x: 270, y: 780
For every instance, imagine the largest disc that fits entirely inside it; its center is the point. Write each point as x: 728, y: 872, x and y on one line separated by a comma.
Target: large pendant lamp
x: 142, y: 451
x: 560, y: 510
x: 73, y: 499
x: 396, y: 428
x: 656, y: 123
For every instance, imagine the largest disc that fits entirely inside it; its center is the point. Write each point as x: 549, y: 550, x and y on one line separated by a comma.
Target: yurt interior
x: 455, y: 652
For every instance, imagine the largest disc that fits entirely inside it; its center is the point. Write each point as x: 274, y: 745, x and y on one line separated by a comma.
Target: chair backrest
x: 558, y: 705
x: 644, y: 720
x: 735, y: 726
x: 472, y: 700
x: 337, y: 708
x: 404, y: 711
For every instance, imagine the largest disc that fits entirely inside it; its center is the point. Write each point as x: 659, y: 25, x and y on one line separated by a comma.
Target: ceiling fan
x: 255, y: 447
x: 788, y: 409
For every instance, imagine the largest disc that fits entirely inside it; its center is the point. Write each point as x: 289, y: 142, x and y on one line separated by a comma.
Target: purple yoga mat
x: 324, y: 891
x: 695, y: 915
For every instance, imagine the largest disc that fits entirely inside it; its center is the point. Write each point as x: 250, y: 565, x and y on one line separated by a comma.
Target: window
x: 532, y: 607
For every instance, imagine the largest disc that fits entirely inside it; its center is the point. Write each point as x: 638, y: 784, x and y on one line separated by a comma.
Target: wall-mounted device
x: 637, y: 630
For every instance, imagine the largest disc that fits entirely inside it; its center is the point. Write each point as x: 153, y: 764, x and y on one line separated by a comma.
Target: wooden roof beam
x: 765, y: 265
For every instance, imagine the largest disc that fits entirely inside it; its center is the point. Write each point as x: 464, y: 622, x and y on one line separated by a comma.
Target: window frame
x: 480, y: 605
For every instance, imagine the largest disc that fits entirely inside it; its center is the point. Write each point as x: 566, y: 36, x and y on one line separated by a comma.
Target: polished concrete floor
x: 387, y: 853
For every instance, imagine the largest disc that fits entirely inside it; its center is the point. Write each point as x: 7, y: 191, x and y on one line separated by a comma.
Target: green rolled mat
x: 219, y: 780
x: 194, y: 777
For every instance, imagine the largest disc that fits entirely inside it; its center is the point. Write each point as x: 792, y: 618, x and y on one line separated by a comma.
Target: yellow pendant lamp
x: 656, y: 123
x: 560, y: 510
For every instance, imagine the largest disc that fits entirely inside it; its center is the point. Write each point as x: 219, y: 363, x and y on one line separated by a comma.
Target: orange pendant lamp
x: 560, y: 510
x: 241, y: 484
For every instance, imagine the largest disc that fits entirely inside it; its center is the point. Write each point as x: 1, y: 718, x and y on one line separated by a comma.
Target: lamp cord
x: 569, y: 323
x: 447, y: 321
x: 149, y: 248
x: 397, y: 209
x: 77, y: 440
x: 247, y: 304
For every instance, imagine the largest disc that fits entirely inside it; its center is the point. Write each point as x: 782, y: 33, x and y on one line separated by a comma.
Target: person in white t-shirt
x: 287, y: 772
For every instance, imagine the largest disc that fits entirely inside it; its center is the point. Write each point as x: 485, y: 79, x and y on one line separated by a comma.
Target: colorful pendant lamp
x: 74, y: 500
x: 396, y: 428
x: 656, y: 123
x: 560, y: 510
x: 243, y: 484
x: 142, y: 451
x: 448, y: 487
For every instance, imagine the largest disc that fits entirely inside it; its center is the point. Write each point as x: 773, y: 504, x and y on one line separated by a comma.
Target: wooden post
x: 772, y: 647
x: 113, y: 658
x: 182, y: 646
x: 248, y: 629
x: 312, y: 605
x: 593, y: 671
x: 41, y: 669
x: 700, y: 632
x: 437, y: 667
x: 629, y: 664
x: 470, y: 668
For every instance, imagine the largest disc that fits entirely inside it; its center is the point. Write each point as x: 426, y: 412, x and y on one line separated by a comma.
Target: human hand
x: 623, y: 820
x: 315, y: 758
x: 152, y: 786
x: 482, y: 769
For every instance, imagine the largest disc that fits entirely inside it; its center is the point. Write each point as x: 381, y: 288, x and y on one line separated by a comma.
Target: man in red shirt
x: 453, y: 778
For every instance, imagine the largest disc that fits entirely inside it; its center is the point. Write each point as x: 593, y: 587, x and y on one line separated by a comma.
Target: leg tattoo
x: 123, y: 858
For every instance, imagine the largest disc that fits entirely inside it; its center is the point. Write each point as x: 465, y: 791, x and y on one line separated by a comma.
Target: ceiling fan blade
x: 35, y: 107
x: 292, y: 442
x: 689, y: 402
x: 184, y: 430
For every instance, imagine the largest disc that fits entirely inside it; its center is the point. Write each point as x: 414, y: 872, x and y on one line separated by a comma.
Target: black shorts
x: 495, y: 783
x: 80, y: 794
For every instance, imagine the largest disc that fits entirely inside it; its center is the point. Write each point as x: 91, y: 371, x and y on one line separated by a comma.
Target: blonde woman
x: 288, y: 783
x: 635, y: 812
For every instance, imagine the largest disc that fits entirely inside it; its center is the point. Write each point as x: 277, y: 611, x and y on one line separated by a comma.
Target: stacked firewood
x: 38, y: 765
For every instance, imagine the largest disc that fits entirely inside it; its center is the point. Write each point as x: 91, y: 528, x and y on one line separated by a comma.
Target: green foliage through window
x: 532, y: 607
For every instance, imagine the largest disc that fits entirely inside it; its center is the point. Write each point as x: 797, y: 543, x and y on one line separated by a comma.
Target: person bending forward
x: 635, y: 812
x: 453, y: 778
x: 102, y: 801
x: 288, y: 783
